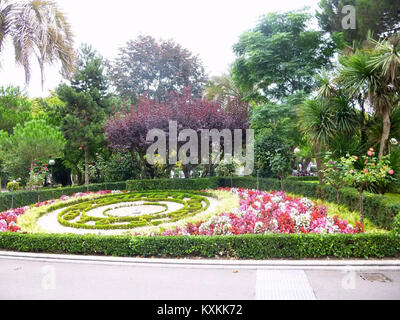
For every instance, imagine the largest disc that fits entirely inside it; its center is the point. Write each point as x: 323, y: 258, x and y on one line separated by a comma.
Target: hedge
x: 174, y: 184
x: 25, y: 198
x: 242, y: 246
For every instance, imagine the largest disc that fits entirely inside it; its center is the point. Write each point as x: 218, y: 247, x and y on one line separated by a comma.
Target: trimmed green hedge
x: 174, y: 184
x: 25, y: 198
x: 305, y: 178
x: 242, y: 247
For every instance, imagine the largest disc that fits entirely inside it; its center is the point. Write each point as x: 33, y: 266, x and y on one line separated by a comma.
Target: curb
x: 390, y: 264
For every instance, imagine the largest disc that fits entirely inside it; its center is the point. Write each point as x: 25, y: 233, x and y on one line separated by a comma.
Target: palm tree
x: 316, y: 121
x: 325, y: 122
x: 37, y: 28
x: 373, y: 75
x: 386, y: 60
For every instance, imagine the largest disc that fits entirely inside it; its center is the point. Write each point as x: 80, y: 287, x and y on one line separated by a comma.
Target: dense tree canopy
x: 146, y: 65
x: 280, y: 56
x: 380, y: 17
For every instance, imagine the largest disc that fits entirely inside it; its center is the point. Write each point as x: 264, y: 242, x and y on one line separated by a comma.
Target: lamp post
x: 52, y: 163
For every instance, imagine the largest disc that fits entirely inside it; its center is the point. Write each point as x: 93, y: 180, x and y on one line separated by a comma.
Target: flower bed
x: 8, y: 219
x: 262, y: 212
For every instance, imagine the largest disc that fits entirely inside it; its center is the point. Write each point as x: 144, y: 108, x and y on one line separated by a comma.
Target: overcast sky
x: 208, y: 28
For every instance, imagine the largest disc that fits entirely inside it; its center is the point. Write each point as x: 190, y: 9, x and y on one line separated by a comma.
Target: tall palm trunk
x: 385, y: 131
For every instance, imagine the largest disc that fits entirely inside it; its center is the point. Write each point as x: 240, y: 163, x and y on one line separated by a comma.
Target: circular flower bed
x: 132, y: 210
x: 274, y: 212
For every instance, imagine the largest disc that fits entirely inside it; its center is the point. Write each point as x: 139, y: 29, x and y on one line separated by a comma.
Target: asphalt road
x: 53, y: 278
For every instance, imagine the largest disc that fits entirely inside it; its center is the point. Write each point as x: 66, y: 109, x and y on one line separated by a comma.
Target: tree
x: 322, y: 120
x: 127, y: 130
x: 30, y: 143
x: 14, y: 108
x: 147, y: 66
x: 280, y: 56
x: 373, y: 74
x: 379, y: 17
x: 86, y: 105
x: 37, y: 28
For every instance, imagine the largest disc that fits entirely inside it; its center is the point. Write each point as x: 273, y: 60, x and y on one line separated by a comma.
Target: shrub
x: 13, y: 186
x: 242, y: 247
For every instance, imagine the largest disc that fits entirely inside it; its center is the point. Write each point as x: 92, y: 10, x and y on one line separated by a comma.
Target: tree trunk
x: 385, y: 132
x: 86, y: 149
x: 363, y: 129
x: 318, y: 159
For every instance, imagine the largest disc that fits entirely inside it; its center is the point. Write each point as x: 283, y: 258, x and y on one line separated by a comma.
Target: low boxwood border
x: 242, y: 247
x: 26, y: 198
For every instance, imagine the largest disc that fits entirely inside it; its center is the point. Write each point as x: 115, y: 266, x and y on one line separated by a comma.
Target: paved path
x: 30, y: 276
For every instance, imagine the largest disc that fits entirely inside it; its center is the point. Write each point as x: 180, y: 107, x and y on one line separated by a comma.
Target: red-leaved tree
x: 127, y: 130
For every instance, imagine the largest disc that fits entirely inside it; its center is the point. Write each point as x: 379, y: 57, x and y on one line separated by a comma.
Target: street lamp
x: 52, y: 163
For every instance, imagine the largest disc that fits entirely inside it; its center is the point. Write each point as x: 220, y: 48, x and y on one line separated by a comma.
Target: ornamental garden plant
x: 364, y: 172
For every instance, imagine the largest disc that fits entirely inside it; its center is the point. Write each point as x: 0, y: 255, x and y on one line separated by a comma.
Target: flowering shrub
x: 372, y: 171
x: 274, y: 212
x: 8, y: 219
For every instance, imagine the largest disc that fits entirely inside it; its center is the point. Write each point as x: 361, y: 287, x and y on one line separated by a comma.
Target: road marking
x: 283, y: 285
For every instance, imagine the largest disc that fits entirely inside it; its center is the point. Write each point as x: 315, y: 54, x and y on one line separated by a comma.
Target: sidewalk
x: 42, y: 276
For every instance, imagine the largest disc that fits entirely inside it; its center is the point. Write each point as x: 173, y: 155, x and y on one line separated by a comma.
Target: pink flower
x: 391, y: 172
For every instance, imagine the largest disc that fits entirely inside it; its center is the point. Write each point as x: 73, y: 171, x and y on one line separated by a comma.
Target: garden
x: 319, y: 178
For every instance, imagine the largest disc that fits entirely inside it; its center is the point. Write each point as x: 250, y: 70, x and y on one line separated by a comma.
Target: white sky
x: 208, y: 28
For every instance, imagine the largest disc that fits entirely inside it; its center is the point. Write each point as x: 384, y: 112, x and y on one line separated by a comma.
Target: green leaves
x: 279, y: 57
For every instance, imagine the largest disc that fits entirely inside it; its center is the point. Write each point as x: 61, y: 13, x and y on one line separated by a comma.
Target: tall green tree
x: 148, y: 66
x: 32, y: 142
x: 280, y: 56
x: 86, y: 105
x: 37, y: 29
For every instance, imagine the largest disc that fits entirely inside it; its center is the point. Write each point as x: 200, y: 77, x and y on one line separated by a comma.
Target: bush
x: 242, y: 247
x: 174, y: 184
x: 13, y: 186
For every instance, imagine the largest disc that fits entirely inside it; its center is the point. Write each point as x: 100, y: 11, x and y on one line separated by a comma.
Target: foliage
x: 241, y: 247
x: 37, y: 175
x: 13, y: 186
x: 191, y: 202
x: 37, y: 28
x: 280, y: 56
x: 127, y: 131
x: 371, y: 170
x: 334, y: 173
x: 378, y: 17
x: 14, y: 108
x: 35, y: 141
x: 86, y: 105
x: 146, y: 66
